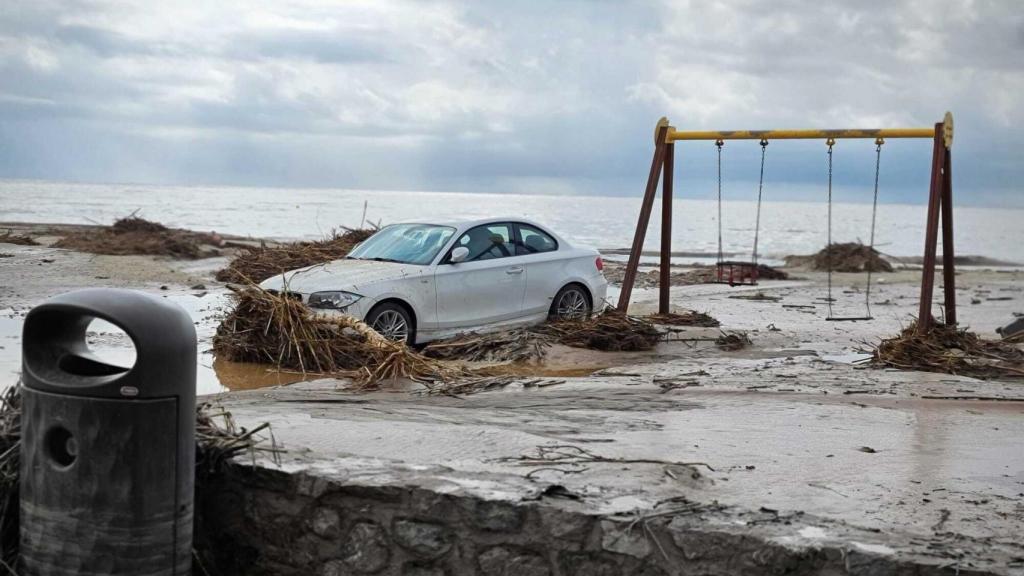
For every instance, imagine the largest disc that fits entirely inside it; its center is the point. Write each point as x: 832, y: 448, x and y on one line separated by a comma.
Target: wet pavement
x: 793, y: 425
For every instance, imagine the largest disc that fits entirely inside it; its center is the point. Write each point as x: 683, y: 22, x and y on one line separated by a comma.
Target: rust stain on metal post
x: 931, y: 237
x: 645, y: 217
x: 948, y: 269
x: 666, y: 230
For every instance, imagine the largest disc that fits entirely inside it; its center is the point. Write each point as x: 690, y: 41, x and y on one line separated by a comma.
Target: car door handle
x: 514, y: 270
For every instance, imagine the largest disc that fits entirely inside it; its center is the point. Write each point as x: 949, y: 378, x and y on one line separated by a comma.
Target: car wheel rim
x: 572, y: 306
x: 392, y: 325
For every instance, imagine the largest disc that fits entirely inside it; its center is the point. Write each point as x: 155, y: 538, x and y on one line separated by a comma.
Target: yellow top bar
x: 674, y: 134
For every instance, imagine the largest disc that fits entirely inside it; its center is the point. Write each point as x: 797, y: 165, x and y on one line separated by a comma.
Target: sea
x: 600, y: 221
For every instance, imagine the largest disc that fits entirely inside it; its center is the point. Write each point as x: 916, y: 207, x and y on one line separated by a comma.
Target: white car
x: 420, y: 282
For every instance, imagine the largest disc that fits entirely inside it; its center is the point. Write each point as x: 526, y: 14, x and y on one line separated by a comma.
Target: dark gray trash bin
x: 107, y: 454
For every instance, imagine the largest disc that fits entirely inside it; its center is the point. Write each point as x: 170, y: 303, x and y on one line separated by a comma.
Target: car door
x: 485, y: 288
x: 545, y: 273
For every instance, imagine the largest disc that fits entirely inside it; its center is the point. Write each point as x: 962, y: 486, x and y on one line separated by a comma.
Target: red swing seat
x: 736, y: 273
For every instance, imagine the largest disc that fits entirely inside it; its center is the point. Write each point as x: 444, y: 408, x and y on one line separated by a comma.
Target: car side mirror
x: 459, y: 254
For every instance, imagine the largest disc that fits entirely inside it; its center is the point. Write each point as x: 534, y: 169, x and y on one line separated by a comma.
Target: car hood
x: 349, y: 275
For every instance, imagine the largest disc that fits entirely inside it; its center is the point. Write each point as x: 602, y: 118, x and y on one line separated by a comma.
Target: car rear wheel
x: 392, y: 322
x: 571, y: 303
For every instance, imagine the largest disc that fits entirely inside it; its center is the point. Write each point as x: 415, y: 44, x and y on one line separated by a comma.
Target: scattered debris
x: 1011, y: 330
x: 253, y: 265
x: 950, y: 350
x: 275, y: 328
x: 732, y: 341
x: 689, y: 318
x: 569, y: 455
x: 614, y: 272
x: 756, y: 297
x: 610, y: 331
x: 844, y: 257
x: 472, y: 386
x: 518, y: 345
x: 669, y: 385
x: 10, y: 237
x: 868, y: 450
x: 134, y: 235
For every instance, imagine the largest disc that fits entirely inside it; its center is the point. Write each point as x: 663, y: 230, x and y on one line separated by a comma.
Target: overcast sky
x: 544, y: 97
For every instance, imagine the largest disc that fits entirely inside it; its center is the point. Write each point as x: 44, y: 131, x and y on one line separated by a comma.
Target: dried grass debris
x: 219, y: 439
x: 844, y: 257
x: 10, y: 462
x: 609, y: 331
x: 614, y: 272
x: 949, y: 350
x: 255, y: 264
x: 133, y: 235
x: 688, y: 318
x: 732, y: 341
x: 278, y: 329
x: 516, y: 345
x: 10, y: 237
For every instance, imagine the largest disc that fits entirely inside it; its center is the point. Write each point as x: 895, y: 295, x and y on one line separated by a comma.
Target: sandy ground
x: 792, y: 423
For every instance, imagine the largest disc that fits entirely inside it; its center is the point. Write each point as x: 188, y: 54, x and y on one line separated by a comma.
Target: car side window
x: 487, y: 242
x: 533, y: 240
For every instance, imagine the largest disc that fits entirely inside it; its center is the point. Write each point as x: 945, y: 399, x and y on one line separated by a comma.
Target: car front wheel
x: 571, y: 303
x: 392, y: 322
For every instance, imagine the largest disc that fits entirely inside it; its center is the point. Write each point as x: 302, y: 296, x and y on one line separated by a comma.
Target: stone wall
x: 255, y: 521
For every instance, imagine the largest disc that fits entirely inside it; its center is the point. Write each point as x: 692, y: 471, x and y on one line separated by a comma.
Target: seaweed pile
x: 253, y: 265
x: 950, y: 350
x: 278, y: 329
x: 10, y: 237
x: 844, y: 257
x: 609, y: 331
x: 688, y: 318
x: 134, y: 235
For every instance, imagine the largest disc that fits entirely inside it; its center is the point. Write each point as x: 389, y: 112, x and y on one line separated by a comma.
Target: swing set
x: 737, y: 272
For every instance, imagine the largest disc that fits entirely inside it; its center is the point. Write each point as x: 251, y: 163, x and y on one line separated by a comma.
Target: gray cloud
x: 536, y: 96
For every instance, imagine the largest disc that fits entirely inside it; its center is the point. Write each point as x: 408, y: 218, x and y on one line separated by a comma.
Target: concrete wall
x: 256, y: 521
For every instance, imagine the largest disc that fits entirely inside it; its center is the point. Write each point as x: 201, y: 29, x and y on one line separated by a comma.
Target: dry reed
x: 950, y: 350
x: 253, y: 265
x: 278, y: 329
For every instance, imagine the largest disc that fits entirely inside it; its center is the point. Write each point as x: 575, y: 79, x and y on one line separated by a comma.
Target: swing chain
x: 874, y: 216
x: 757, y: 221
x: 828, y: 244
x: 719, y: 143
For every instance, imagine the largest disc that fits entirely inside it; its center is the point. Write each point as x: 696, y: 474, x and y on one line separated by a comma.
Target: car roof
x: 464, y: 223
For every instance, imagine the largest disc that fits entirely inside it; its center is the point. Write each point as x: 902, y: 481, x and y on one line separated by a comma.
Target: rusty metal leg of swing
x: 665, y: 279
x: 931, y: 235
x: 645, y: 217
x: 948, y: 270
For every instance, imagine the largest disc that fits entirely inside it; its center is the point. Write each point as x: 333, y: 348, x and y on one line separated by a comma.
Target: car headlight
x: 333, y: 300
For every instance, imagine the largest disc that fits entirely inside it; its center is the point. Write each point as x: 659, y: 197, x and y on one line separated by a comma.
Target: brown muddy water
x: 214, y: 375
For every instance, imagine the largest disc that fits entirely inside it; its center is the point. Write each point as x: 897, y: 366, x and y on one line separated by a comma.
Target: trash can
x: 108, y: 453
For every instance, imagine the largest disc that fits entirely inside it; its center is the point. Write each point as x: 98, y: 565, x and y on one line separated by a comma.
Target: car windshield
x: 405, y: 243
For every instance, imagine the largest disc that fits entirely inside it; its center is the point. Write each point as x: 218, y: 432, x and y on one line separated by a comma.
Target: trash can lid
x: 56, y: 357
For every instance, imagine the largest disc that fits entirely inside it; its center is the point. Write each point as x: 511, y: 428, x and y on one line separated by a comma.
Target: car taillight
x: 599, y: 263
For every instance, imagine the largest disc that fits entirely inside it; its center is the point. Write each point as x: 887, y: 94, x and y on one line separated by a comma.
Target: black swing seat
x: 735, y: 273
x: 849, y: 318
